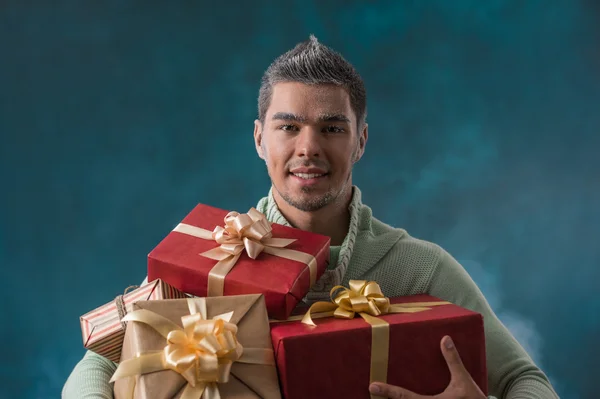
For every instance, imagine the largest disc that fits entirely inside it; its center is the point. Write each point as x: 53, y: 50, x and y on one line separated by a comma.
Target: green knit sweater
x: 402, y: 265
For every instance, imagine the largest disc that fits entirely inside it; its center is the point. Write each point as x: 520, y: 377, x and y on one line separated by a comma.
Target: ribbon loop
x: 365, y: 298
x: 247, y: 230
x: 202, y: 349
x: 202, y: 352
x: 250, y: 232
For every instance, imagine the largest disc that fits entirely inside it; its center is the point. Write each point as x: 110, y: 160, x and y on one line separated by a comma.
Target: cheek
x: 275, y: 160
x: 277, y: 154
x: 344, y: 158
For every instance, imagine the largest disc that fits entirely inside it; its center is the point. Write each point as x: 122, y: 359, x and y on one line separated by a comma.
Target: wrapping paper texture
x: 341, y: 350
x: 283, y: 282
x: 101, y: 328
x: 246, y: 380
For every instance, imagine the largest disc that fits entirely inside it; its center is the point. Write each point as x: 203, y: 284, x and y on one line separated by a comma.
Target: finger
x: 393, y: 392
x: 455, y: 364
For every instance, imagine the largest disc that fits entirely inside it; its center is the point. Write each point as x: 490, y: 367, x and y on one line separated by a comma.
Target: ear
x: 258, y: 137
x: 362, y: 142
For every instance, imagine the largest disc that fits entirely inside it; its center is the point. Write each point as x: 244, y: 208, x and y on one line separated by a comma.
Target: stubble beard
x: 312, y: 203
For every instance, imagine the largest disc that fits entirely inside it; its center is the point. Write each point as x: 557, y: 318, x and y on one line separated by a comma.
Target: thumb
x: 381, y: 390
x: 455, y: 364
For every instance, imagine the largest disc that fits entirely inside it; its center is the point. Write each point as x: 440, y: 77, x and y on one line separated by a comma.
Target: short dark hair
x: 313, y: 63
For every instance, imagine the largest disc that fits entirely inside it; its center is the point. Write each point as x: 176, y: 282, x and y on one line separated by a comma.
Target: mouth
x: 308, y: 179
x: 308, y: 176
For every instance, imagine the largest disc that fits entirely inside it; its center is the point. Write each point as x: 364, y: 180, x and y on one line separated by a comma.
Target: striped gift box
x: 102, y: 329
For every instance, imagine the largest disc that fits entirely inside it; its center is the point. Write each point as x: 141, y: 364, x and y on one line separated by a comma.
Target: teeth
x: 308, y: 175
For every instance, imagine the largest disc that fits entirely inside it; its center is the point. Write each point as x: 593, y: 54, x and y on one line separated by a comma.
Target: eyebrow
x: 287, y: 116
x: 334, y: 118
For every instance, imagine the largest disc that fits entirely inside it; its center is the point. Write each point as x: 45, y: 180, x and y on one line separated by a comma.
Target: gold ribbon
x: 247, y: 231
x: 367, y: 299
x: 203, y: 351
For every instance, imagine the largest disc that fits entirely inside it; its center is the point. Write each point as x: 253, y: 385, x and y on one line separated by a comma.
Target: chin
x: 314, y: 201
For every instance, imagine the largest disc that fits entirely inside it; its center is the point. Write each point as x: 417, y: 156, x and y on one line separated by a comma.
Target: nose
x: 308, y: 143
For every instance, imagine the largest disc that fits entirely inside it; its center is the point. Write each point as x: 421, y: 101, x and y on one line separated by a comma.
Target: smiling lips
x: 308, y: 174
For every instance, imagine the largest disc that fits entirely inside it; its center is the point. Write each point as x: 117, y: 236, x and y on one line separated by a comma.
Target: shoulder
x: 416, y: 255
x: 409, y: 264
x: 426, y: 252
x: 401, y: 248
x: 428, y: 268
x: 374, y: 228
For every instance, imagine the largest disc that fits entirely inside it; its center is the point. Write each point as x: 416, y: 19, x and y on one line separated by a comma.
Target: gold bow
x: 243, y: 231
x: 367, y: 299
x: 203, y: 351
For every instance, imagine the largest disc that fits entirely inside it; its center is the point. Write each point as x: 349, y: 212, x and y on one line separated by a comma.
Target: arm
x: 90, y: 378
x: 511, y: 372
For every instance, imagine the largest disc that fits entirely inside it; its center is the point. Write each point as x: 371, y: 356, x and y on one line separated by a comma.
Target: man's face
x: 310, y: 142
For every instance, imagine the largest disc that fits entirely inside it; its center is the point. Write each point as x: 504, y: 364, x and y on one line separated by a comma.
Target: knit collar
x: 335, y: 273
x: 274, y: 215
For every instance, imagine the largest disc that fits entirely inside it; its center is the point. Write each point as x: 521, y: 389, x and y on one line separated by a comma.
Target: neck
x: 332, y: 220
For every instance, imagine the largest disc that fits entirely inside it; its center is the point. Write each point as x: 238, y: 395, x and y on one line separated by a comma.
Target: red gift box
x: 180, y: 260
x: 333, y: 359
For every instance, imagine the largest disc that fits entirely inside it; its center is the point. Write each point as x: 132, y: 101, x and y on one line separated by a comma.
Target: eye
x: 288, y: 128
x: 334, y: 129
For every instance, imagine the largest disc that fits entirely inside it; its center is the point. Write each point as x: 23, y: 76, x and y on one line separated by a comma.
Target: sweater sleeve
x: 90, y: 378
x: 512, y: 373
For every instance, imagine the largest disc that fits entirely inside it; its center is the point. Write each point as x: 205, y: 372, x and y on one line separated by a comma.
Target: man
x: 310, y: 132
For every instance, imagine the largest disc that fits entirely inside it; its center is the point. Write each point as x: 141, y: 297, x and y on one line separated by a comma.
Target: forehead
x: 310, y: 100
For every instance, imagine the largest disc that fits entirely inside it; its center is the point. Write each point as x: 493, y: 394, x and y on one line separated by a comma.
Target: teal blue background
x: 117, y: 117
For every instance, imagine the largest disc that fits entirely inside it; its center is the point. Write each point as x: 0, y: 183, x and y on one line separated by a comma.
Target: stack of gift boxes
x: 220, y: 317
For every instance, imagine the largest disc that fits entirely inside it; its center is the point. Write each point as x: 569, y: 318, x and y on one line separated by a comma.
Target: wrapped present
x: 213, y: 252
x: 198, y: 348
x: 362, y: 337
x: 102, y: 328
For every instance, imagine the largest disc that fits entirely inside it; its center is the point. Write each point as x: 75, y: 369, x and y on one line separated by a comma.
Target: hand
x: 461, y: 384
